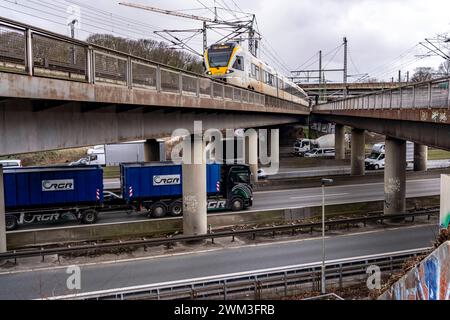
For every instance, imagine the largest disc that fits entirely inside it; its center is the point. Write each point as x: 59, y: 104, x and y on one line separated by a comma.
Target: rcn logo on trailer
x: 167, y: 180
x: 58, y: 185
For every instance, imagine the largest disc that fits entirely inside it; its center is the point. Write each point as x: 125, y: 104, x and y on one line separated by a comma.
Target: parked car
x: 321, y: 153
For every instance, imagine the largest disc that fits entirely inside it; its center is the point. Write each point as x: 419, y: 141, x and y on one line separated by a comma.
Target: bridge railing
x: 36, y: 52
x: 430, y: 94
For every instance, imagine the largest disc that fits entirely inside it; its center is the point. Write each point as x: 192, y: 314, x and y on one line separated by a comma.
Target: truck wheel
x: 176, y: 208
x: 159, y: 210
x: 237, y: 204
x: 11, y: 223
x: 89, y: 217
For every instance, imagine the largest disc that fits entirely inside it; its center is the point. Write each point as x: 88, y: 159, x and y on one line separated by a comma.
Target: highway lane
x: 296, y: 198
x: 308, y: 172
x: 340, y: 194
x: 52, y: 282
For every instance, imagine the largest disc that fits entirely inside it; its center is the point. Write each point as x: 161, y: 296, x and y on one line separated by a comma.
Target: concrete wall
x: 445, y: 201
x: 430, y: 280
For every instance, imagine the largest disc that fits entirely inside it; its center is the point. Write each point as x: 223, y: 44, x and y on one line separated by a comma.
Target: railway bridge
x: 57, y: 92
x: 414, y: 112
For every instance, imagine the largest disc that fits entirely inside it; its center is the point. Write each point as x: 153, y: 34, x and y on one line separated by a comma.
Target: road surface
x: 288, y: 173
x: 52, y: 282
x: 296, y: 198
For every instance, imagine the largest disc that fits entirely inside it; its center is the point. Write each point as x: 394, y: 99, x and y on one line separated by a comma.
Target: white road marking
x: 319, y: 195
x: 436, y: 180
x: 118, y: 261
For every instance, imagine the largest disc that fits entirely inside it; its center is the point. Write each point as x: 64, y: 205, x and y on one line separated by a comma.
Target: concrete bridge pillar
x: 395, y: 177
x: 275, y: 149
x: 420, y: 157
x: 251, y: 152
x: 358, y: 152
x: 2, y: 214
x: 340, y: 141
x: 194, y: 186
x: 151, y: 150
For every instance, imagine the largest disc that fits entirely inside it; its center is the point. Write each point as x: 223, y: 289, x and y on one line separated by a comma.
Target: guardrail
x: 293, y: 228
x: 429, y: 94
x: 256, y: 283
x: 36, y: 52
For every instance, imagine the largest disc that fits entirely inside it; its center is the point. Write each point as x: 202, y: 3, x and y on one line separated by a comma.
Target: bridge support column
x: 194, y: 186
x: 395, y: 177
x: 358, y: 152
x: 2, y: 215
x: 340, y: 141
x: 151, y: 150
x: 274, y: 150
x: 251, y: 153
x: 420, y: 157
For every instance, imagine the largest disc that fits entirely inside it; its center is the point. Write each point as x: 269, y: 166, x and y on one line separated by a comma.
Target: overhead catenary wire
x: 57, y: 15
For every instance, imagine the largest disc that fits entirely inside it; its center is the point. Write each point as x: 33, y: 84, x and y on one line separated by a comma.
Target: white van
x: 321, y: 153
x: 11, y: 163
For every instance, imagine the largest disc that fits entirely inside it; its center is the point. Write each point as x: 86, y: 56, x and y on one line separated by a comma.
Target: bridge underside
x: 34, y: 125
x: 433, y: 134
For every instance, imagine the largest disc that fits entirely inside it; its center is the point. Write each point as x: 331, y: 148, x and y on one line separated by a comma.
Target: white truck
x: 301, y: 146
x: 376, y: 160
x: 114, y: 154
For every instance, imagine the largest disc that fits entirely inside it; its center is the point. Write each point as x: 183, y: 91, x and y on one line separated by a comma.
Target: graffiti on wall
x: 445, y: 202
x: 428, y: 281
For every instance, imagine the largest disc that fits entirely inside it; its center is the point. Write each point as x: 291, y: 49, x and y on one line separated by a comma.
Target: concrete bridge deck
x: 57, y: 92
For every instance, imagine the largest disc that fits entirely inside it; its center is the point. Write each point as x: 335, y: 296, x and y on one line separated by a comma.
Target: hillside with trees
x: 151, y: 50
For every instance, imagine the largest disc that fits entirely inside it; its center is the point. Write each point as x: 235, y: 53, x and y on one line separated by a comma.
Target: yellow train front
x: 231, y: 63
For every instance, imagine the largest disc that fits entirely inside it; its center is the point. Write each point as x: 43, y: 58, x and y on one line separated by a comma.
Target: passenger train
x: 232, y: 63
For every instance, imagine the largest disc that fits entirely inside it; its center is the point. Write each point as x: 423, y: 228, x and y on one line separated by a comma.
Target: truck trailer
x: 49, y: 194
x: 157, y: 187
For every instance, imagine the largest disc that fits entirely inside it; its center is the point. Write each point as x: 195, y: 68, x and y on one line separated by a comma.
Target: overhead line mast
x: 239, y: 27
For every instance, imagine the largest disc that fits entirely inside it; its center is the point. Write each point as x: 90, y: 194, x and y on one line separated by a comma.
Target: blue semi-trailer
x: 50, y: 194
x: 47, y: 194
x: 157, y: 187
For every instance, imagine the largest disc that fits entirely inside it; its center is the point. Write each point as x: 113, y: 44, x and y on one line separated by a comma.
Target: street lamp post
x: 323, y: 281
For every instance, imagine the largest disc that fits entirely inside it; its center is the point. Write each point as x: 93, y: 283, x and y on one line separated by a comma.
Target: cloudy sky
x: 383, y: 35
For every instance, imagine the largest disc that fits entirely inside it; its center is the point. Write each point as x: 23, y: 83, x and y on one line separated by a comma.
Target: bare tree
x: 423, y: 74
x: 151, y: 50
x: 444, y: 68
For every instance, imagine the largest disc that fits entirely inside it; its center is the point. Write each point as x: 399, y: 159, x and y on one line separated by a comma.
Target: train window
x: 271, y: 82
x: 280, y: 84
x: 219, y: 57
x: 253, y: 71
x: 239, y: 63
x: 268, y: 78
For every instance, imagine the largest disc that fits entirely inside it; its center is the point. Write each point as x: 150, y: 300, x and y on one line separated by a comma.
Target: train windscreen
x: 219, y: 56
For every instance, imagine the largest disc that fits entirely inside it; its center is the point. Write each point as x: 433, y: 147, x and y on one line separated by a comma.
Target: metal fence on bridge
x: 259, y: 284
x: 430, y: 94
x: 36, y: 52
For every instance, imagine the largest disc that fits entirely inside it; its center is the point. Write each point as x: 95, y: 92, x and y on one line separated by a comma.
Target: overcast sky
x: 381, y: 33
